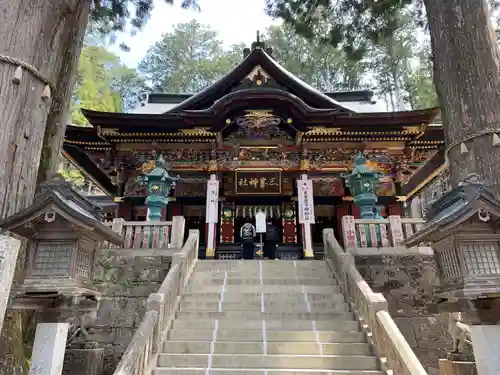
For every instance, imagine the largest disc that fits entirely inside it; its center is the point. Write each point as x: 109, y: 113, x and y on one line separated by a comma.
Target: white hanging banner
x: 212, y: 211
x: 260, y: 222
x: 306, y: 201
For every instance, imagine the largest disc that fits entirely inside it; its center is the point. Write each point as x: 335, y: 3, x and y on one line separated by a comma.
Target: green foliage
x: 109, y: 16
x: 103, y: 84
x: 74, y: 176
x: 352, y: 24
x: 364, y: 42
x: 324, y: 67
x: 187, y: 59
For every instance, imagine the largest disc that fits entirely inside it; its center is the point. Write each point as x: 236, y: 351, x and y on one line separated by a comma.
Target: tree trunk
x: 58, y: 116
x: 467, y: 78
x: 47, y: 35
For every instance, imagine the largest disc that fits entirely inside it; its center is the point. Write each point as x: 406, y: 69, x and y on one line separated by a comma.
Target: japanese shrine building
x: 257, y: 131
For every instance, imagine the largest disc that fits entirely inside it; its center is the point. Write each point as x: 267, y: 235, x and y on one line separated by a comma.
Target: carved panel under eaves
x: 258, y: 157
x: 258, y: 126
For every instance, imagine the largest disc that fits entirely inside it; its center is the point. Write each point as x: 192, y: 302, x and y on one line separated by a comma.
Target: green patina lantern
x: 159, y: 184
x: 363, y: 183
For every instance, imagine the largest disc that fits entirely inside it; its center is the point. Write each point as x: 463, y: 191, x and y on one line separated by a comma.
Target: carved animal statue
x: 79, y: 326
x: 459, y: 332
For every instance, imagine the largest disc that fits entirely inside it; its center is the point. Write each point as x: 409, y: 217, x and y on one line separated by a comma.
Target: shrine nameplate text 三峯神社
x: 258, y: 182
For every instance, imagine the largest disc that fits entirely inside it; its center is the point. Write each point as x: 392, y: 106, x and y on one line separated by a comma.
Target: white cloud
x: 235, y: 21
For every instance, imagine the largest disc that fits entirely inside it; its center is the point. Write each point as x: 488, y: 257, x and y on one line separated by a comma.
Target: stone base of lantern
x: 450, y: 367
x: 83, y: 361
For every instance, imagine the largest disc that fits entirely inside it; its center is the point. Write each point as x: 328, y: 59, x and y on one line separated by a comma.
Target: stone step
x: 226, y: 371
x: 271, y: 324
x: 243, y: 273
x: 244, y: 289
x: 269, y: 305
x: 256, y: 315
x: 325, y: 362
x: 253, y: 335
x: 264, y: 268
x: 239, y: 264
x: 270, y: 348
x: 256, y: 297
x: 196, y: 281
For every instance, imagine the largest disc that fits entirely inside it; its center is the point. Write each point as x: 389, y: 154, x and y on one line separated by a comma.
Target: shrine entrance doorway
x: 325, y: 218
x: 246, y: 213
x: 195, y: 219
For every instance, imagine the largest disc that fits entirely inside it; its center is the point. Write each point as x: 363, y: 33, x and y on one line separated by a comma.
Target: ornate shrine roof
x: 257, y: 90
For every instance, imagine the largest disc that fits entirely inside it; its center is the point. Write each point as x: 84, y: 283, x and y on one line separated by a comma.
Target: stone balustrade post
x: 396, y: 230
x: 156, y: 302
x: 48, y: 349
x: 9, y: 249
x: 178, y: 228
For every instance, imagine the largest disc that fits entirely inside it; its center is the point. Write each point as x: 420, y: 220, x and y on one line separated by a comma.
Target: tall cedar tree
x: 465, y: 56
x: 48, y: 36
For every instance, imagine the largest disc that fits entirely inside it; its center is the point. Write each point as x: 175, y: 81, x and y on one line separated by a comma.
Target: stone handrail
x: 378, y: 233
x: 142, y: 352
x: 150, y: 234
x: 372, y: 312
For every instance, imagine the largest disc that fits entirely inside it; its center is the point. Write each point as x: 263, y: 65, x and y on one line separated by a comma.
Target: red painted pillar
x: 396, y: 208
x: 124, y: 210
x: 341, y: 210
x: 356, y: 212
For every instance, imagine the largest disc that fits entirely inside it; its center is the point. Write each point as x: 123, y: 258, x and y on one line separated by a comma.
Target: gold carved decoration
x: 258, y: 119
x: 323, y: 131
x: 148, y: 166
x: 414, y: 129
x: 197, y: 132
x: 258, y: 71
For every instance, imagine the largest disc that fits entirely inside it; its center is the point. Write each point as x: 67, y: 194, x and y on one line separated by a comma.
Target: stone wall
x: 125, y: 283
x: 407, y: 283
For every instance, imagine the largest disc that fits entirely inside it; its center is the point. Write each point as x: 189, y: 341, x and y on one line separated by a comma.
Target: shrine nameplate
x: 258, y: 182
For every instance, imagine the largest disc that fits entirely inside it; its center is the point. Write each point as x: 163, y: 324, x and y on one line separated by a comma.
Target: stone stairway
x: 264, y: 318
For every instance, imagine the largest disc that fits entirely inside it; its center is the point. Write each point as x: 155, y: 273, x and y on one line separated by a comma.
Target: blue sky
x: 234, y: 20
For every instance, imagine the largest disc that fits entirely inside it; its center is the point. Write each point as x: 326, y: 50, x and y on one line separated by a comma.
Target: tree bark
x: 58, y: 116
x: 467, y: 78
x: 48, y: 36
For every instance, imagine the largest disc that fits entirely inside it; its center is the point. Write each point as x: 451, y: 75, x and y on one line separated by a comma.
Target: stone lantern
x: 463, y: 228
x: 363, y: 183
x: 64, y: 231
x: 158, y: 183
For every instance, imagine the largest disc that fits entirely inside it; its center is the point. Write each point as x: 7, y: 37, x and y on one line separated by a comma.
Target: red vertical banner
x: 163, y: 214
x: 341, y: 210
x: 355, y: 211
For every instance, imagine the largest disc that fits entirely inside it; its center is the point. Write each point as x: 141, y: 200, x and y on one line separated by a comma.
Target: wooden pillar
x: 124, y: 210
x: 341, y: 210
x: 355, y: 211
x: 396, y: 209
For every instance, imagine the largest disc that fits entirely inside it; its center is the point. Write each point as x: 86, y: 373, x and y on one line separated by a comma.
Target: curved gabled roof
x: 258, y: 57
